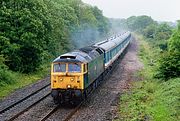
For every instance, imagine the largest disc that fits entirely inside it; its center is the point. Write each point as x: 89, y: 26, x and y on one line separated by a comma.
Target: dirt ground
x: 103, y: 103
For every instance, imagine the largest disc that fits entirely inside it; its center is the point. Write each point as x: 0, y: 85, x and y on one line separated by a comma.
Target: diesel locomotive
x: 75, y: 74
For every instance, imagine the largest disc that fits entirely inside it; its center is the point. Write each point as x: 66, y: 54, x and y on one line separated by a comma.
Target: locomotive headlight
x: 68, y: 86
x: 61, y: 79
x: 72, y: 79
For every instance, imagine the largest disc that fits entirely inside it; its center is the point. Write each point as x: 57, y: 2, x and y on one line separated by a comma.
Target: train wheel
x: 85, y: 94
x: 77, y: 101
x: 55, y: 95
x: 95, y: 84
x: 56, y: 100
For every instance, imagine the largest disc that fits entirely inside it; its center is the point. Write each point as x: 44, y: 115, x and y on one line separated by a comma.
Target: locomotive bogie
x: 61, y: 96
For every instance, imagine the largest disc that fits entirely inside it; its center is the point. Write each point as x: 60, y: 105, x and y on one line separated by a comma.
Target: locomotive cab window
x: 74, y: 67
x: 59, y: 67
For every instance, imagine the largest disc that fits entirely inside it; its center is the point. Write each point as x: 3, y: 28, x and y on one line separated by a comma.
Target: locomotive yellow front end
x: 67, y: 79
x: 67, y: 76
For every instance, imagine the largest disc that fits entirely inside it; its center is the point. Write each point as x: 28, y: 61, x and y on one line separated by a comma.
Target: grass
x: 20, y: 80
x: 150, y: 99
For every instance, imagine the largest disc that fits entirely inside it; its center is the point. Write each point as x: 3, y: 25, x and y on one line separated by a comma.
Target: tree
x: 174, y: 43
x: 23, y: 25
x: 149, y: 31
x: 169, y: 64
x: 163, y: 32
x: 139, y: 23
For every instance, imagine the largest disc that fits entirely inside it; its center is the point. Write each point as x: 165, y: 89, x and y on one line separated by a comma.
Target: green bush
x: 6, y: 76
x: 174, y: 42
x: 169, y: 65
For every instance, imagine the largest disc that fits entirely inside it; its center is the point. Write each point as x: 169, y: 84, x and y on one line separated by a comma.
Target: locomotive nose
x: 67, y: 82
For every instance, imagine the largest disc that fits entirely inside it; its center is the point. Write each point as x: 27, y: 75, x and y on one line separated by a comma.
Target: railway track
x: 14, y: 110
x: 21, y: 112
x: 49, y: 113
x: 72, y: 111
x: 14, y: 116
x: 21, y: 100
x: 58, y: 108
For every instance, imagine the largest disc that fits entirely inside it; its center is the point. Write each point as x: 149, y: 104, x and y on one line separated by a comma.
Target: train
x: 75, y: 74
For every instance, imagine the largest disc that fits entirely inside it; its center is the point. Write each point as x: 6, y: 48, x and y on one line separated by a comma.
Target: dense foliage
x: 33, y: 31
x: 169, y: 65
x: 139, y: 23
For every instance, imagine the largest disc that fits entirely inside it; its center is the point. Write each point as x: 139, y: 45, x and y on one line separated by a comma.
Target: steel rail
x: 29, y: 107
x: 50, y: 113
x: 23, y: 99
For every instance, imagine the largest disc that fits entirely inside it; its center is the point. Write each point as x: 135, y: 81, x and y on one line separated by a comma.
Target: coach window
x: 108, y: 56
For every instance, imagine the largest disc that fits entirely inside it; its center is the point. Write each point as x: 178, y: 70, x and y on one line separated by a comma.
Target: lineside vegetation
x: 155, y: 97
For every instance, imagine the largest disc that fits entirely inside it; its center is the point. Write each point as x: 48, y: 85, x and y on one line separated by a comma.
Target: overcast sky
x: 160, y: 10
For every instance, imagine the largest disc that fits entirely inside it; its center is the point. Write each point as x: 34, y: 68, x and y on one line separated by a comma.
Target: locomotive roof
x: 84, y: 55
x: 76, y: 56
